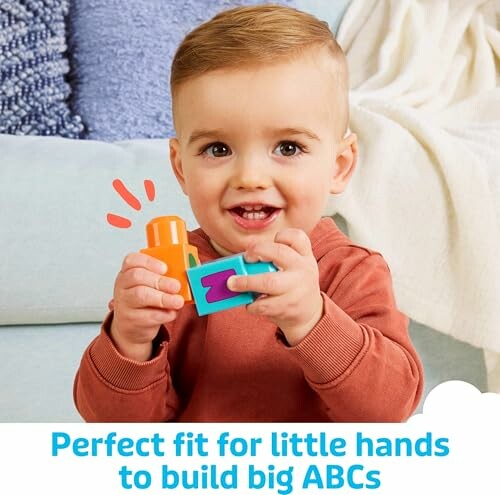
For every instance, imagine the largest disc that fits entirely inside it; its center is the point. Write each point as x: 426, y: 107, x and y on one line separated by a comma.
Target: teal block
x: 209, y: 283
x: 259, y: 267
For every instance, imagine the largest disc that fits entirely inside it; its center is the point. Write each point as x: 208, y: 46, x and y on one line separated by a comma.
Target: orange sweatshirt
x: 357, y: 364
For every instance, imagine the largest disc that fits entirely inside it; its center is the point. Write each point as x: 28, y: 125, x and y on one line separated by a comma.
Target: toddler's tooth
x: 254, y: 215
x: 252, y: 208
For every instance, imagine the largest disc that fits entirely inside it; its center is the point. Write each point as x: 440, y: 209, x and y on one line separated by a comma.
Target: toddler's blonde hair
x: 258, y: 35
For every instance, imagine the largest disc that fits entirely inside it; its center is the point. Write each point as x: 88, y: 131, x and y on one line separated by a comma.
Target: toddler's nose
x: 251, y: 173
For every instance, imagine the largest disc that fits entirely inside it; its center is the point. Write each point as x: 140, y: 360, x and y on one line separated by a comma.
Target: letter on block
x: 209, y: 283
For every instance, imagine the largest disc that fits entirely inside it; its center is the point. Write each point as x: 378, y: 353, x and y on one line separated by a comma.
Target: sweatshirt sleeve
x: 111, y: 388
x: 359, y: 357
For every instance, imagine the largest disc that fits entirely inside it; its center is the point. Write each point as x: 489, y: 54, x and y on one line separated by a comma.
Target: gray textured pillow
x: 33, y: 66
x: 122, y: 51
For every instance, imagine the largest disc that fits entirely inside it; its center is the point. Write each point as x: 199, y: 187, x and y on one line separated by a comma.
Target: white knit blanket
x: 426, y: 108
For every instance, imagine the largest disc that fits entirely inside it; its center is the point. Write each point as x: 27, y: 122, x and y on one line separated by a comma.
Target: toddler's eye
x: 288, y: 148
x: 217, y: 150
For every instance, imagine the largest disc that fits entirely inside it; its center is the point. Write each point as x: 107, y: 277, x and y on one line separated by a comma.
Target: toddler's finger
x: 167, y: 284
x: 281, y: 255
x: 147, y: 297
x: 265, y: 305
x: 142, y: 260
x: 296, y: 239
x: 141, y: 276
x: 266, y: 283
x: 170, y: 301
x: 159, y: 315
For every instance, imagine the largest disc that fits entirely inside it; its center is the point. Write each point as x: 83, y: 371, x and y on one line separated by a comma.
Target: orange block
x: 168, y: 241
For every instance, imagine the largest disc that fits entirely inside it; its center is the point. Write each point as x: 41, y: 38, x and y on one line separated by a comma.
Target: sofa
x: 60, y: 258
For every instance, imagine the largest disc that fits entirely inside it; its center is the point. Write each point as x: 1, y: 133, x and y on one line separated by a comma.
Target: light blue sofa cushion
x: 59, y: 254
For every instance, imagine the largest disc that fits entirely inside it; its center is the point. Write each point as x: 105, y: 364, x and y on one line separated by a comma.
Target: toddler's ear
x: 176, y: 162
x: 345, y: 163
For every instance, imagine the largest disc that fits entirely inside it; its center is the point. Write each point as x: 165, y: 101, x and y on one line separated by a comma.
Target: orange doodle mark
x: 126, y: 195
x: 118, y: 221
x: 150, y: 189
x: 131, y: 200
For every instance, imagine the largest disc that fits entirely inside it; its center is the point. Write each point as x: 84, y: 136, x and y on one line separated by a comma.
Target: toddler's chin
x: 222, y: 250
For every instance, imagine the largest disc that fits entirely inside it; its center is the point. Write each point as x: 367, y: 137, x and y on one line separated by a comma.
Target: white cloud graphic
x: 460, y: 401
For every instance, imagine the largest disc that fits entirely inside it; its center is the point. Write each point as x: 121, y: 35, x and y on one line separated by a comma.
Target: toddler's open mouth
x: 254, y: 216
x: 254, y: 212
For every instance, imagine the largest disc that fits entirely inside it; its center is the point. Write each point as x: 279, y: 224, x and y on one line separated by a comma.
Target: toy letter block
x: 168, y: 242
x: 209, y: 283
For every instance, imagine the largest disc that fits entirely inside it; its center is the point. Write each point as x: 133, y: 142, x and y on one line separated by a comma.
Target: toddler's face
x: 257, y: 149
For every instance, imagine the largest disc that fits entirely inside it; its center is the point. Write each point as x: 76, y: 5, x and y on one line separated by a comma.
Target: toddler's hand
x: 291, y: 297
x: 143, y: 300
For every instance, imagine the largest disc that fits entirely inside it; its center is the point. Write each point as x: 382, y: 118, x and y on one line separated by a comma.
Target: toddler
x: 260, y: 109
